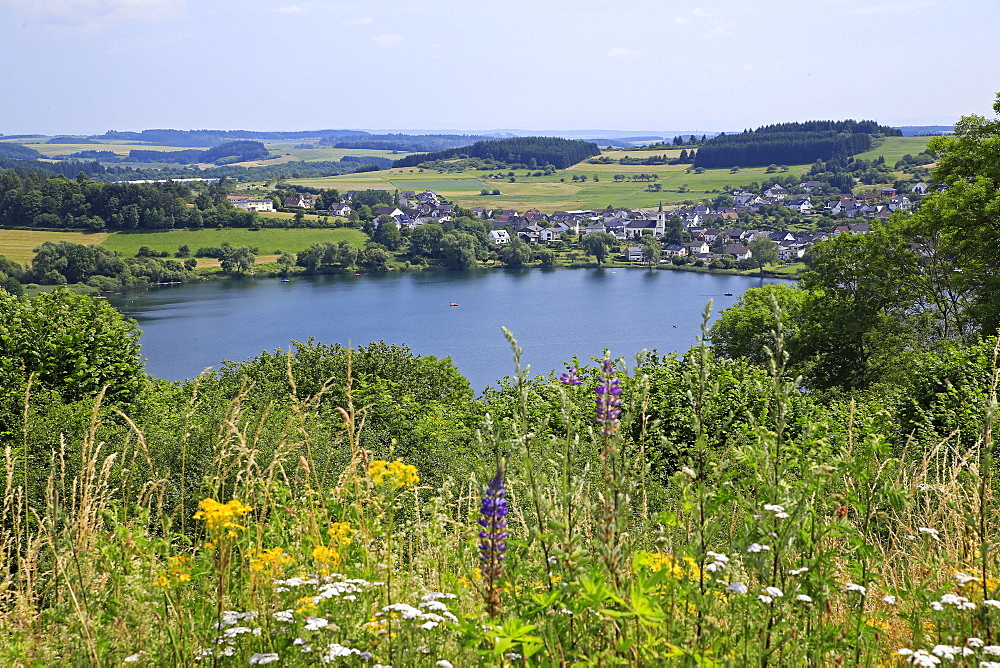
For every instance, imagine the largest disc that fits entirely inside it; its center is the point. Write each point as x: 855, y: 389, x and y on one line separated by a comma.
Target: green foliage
x: 599, y: 244
x: 745, y: 330
x: 791, y: 143
x: 517, y: 253
x: 561, y: 153
x: 69, y: 344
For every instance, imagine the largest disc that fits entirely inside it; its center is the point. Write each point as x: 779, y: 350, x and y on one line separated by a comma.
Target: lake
x: 555, y: 314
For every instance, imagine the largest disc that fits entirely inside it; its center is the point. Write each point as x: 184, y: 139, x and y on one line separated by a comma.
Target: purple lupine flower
x: 493, y: 540
x: 607, y: 410
x: 571, y: 377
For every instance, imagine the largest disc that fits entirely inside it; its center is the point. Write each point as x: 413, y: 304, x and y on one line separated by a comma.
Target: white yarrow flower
x: 964, y: 578
x: 757, y: 547
x: 798, y: 571
x: 737, y: 588
x: 688, y: 471
x: 315, y: 623
x: 764, y: 599
x: 890, y: 599
x: 804, y: 598
x: 933, y: 533
x: 261, y: 659
x: 855, y: 587
x: 992, y: 603
x: 773, y: 591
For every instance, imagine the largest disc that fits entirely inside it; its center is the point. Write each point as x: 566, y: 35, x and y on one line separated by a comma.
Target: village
x: 692, y: 234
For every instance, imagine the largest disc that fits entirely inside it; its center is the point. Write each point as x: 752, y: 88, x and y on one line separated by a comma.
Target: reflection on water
x: 555, y: 315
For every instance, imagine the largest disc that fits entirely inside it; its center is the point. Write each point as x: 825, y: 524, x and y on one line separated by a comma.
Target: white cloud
x: 97, y: 14
x: 389, y: 41
x: 291, y: 10
x: 682, y: 20
x: 622, y: 52
x: 365, y: 21
x: 703, y: 13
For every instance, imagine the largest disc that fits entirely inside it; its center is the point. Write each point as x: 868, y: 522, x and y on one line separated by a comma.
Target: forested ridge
x: 791, y: 144
x: 532, y: 151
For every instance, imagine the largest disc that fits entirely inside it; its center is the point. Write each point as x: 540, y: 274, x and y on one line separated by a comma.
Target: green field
x: 289, y: 153
x: 268, y: 241
x: 557, y: 191
x: 19, y: 245
x: 121, y: 148
x: 894, y: 148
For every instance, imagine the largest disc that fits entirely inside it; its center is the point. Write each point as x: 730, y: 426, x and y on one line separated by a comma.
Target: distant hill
x: 402, y: 142
x: 214, y: 137
x: 223, y: 154
x: 18, y: 152
x: 925, y: 130
x: 791, y: 143
x: 537, y: 151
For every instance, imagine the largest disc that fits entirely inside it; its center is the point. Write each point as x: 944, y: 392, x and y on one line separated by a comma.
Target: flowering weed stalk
x: 493, y: 541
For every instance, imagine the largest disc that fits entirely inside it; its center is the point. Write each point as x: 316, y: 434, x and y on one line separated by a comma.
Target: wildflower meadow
x: 361, y: 507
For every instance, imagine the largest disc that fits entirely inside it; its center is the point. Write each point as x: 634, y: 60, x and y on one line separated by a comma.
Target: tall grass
x: 791, y: 541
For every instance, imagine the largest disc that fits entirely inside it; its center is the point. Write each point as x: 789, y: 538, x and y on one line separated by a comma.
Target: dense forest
x: 530, y: 151
x: 222, y: 154
x: 791, y: 144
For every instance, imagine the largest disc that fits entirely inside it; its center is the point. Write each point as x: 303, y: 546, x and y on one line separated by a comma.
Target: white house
x: 500, y: 237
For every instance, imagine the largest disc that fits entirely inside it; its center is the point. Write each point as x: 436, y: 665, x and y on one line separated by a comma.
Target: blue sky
x: 87, y: 66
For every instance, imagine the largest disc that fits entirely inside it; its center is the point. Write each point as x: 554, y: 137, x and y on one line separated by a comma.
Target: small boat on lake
x: 728, y: 294
x: 453, y: 304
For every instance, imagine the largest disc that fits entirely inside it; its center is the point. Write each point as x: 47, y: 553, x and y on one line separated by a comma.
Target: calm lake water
x: 555, y: 314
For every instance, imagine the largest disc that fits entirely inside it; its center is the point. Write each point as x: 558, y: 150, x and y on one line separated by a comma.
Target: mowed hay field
x: 894, y: 148
x: 559, y: 191
x: 19, y: 245
x: 267, y: 241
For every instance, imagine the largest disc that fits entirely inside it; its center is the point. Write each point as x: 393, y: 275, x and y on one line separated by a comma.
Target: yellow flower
x: 326, y: 555
x: 178, y: 570
x: 220, y: 515
x: 677, y: 568
x: 395, y: 475
x: 269, y: 561
x: 307, y: 604
x: 341, y: 533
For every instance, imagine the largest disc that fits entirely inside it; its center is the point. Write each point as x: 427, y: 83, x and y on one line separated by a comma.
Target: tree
x: 425, y: 240
x: 599, y: 244
x: 71, y: 344
x: 458, y: 250
x: 285, y: 262
x: 387, y: 233
x: 746, y: 329
x: 374, y: 257
x: 516, y: 253
x: 962, y: 218
x: 858, y: 326
x: 651, y: 250
x: 763, y: 251
x: 237, y: 258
